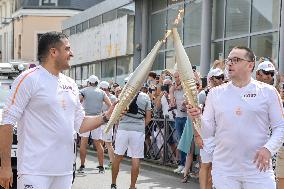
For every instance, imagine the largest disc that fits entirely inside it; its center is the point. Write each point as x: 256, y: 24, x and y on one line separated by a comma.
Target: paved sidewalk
x: 149, y: 178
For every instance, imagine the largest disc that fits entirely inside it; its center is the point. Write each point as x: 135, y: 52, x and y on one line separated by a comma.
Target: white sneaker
x: 183, y: 170
x: 179, y: 169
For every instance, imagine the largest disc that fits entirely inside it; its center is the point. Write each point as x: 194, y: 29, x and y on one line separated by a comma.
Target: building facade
x: 24, y: 21
x: 209, y: 29
x: 102, y: 41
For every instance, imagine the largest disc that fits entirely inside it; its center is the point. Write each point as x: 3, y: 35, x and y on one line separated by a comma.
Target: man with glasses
x: 238, y: 114
x: 265, y: 72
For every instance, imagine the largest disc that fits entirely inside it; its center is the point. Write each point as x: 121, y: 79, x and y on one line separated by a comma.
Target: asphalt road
x: 148, y: 179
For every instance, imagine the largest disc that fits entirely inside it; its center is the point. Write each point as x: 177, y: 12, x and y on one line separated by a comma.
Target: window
x: 170, y: 59
x: 73, y: 72
x: 48, y: 2
x: 192, y: 23
x: 265, y: 45
x: 79, y: 28
x: 108, y: 69
x: 237, y: 17
x: 84, y: 72
x: 95, y: 21
x: 72, y: 30
x: 109, y: 16
x: 158, y: 27
x: 124, y: 65
x: 193, y: 54
x: 78, y: 74
x: 159, y: 62
x: 217, y: 51
x: 218, y: 19
x: 265, y: 15
x: 98, y: 71
x: 158, y: 5
x: 85, y: 25
x: 95, y: 69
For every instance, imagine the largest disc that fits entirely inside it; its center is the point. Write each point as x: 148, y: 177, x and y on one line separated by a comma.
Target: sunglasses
x: 268, y: 72
x: 219, y: 77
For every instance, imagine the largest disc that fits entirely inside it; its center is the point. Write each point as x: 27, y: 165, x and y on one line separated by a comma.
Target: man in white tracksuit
x: 44, y: 103
x: 238, y: 114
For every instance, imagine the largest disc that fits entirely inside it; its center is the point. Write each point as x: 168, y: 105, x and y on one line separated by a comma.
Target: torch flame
x: 179, y: 16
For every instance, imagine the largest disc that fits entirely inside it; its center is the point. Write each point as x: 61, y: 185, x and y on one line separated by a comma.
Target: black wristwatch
x: 105, y: 119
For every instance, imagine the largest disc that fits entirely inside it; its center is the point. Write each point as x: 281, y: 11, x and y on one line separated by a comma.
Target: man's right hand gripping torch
x: 187, y: 77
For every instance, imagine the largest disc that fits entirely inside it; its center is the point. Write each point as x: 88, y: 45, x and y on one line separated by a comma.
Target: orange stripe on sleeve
x: 19, y: 84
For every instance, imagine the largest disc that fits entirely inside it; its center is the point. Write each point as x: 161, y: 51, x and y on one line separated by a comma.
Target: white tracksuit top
x: 47, y: 111
x: 239, y: 119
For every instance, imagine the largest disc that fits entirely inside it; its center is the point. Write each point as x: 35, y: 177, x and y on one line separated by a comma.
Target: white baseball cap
x: 266, y: 66
x: 104, y: 85
x: 215, y: 72
x: 93, y: 79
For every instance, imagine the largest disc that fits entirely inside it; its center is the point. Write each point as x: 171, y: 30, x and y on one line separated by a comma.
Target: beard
x: 61, y: 64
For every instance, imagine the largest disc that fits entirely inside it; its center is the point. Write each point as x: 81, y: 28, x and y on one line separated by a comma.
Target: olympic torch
x: 134, y: 84
x: 187, y: 76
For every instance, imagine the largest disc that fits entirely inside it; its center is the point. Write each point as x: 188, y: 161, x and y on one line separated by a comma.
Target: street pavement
x: 148, y: 178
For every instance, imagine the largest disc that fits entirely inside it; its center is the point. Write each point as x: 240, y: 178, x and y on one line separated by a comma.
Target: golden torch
x: 187, y: 76
x: 134, y: 84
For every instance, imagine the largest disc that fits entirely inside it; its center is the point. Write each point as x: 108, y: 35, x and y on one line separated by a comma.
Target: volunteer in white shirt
x: 216, y: 77
x: 45, y: 105
x: 238, y: 114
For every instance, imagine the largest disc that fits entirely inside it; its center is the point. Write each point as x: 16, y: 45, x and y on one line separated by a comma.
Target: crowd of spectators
x: 168, y: 102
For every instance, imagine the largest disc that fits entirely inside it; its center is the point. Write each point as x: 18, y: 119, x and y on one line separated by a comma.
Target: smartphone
x: 204, y: 82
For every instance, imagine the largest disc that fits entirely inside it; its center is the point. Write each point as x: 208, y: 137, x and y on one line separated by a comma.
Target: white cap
x: 104, y: 85
x: 128, y: 77
x: 21, y: 67
x: 266, y: 66
x: 215, y: 72
x: 93, y: 79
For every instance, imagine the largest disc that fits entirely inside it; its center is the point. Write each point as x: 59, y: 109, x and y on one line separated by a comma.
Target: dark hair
x: 249, y: 55
x: 47, y: 41
x: 152, y: 74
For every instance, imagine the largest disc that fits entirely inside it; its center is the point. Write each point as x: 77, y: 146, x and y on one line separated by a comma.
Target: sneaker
x: 183, y: 170
x: 179, y: 169
x: 101, y: 169
x: 113, y: 186
x: 81, y: 169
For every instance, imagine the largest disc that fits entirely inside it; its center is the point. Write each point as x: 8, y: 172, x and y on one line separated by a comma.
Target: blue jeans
x: 179, y: 125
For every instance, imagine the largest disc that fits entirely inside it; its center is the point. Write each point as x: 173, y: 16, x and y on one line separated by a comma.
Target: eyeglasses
x: 235, y: 60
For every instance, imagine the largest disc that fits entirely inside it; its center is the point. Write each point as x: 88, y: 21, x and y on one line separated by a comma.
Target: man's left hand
x: 262, y: 159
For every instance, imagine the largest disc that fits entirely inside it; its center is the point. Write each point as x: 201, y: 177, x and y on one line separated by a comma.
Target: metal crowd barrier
x: 161, y: 142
